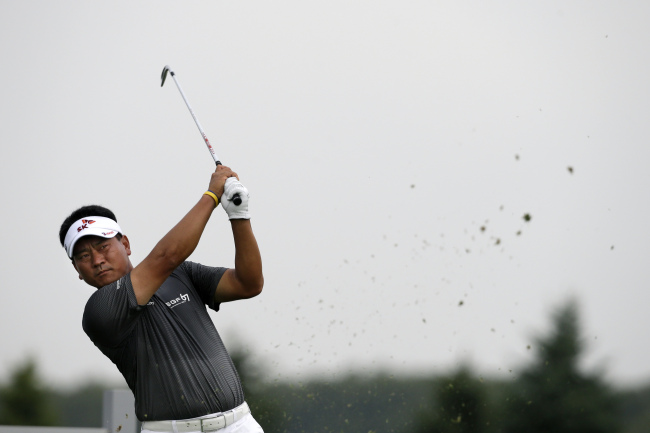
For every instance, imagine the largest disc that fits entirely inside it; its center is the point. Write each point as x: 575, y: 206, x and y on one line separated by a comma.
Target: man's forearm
x: 248, y: 260
x: 171, y: 251
x: 180, y: 241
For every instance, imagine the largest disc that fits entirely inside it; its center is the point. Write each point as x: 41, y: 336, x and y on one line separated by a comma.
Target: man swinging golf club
x: 151, y: 320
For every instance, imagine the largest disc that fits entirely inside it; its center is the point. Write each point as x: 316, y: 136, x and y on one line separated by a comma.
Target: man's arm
x: 246, y: 279
x: 177, y: 245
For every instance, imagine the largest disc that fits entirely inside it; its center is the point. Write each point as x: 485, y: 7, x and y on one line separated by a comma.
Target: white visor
x: 89, y: 226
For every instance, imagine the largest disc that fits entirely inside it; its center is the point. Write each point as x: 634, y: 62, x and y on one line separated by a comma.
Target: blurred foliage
x: 552, y: 394
x: 634, y: 410
x: 460, y: 405
x: 266, y: 410
x: 25, y: 400
x: 351, y: 404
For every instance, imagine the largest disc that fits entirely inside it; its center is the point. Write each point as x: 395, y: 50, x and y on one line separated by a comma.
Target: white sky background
x: 376, y: 138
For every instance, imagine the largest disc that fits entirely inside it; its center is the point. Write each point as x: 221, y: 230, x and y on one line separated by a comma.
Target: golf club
x: 236, y: 199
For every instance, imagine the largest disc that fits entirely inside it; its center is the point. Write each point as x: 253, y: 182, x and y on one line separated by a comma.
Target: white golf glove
x: 232, y: 187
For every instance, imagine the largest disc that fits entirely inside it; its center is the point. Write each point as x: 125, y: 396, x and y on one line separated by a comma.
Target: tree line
x: 551, y: 394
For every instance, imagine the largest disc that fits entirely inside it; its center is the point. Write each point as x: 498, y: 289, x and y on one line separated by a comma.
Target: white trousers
x: 245, y: 425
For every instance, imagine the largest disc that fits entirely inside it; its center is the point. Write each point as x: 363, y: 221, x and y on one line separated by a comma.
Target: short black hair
x: 84, y: 211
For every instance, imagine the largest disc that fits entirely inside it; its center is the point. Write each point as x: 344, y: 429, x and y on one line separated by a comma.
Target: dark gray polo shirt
x: 169, y: 350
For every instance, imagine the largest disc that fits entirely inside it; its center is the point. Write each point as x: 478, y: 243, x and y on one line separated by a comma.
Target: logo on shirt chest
x: 182, y: 298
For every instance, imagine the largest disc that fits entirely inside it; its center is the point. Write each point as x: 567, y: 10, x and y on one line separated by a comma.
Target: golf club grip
x: 236, y: 199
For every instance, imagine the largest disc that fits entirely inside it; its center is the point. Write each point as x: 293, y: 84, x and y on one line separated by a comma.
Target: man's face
x: 100, y: 261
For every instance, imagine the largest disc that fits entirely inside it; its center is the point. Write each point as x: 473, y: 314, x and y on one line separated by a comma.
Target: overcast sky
x: 391, y: 149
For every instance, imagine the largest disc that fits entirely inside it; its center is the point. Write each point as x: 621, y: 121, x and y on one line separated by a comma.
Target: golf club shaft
x: 236, y: 199
x: 198, y: 125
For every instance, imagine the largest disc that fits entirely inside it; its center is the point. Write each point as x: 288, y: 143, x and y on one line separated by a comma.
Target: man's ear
x: 127, y: 244
x: 75, y: 268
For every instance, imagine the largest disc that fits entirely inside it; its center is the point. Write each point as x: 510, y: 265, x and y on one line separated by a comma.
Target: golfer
x: 151, y: 320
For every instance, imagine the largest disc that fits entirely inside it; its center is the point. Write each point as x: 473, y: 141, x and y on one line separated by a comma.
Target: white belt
x: 204, y: 425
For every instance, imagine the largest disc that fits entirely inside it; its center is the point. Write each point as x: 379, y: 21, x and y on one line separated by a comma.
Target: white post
x: 119, y: 411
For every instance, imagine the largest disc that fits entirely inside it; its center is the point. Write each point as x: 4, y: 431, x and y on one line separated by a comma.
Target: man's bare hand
x: 218, y: 179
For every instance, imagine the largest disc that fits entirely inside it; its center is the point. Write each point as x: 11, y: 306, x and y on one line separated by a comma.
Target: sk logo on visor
x: 84, y: 225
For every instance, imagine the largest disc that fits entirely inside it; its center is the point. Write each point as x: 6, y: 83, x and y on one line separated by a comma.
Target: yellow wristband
x: 213, y: 195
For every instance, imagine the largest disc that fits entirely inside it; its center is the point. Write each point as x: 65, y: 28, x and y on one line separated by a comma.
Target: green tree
x: 459, y: 405
x: 265, y: 406
x: 635, y: 409
x: 553, y: 394
x: 25, y: 400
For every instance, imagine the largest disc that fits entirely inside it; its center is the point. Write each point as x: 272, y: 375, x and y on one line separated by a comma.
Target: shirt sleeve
x: 205, y: 280
x: 111, y: 313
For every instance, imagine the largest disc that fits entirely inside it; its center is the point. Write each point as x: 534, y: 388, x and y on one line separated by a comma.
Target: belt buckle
x: 213, y: 424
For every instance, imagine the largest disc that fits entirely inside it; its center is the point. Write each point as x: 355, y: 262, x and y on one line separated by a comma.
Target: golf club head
x: 164, y: 74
